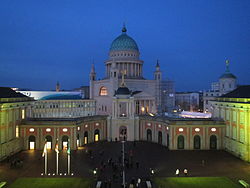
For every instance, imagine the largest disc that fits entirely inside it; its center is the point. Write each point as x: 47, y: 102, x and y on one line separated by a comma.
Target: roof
x: 6, y: 92
x: 227, y: 75
x: 124, y: 42
x: 61, y: 97
x: 122, y: 91
x: 240, y: 92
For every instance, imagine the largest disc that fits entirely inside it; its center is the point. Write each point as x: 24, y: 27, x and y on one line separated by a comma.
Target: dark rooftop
x: 6, y: 92
x: 240, y: 92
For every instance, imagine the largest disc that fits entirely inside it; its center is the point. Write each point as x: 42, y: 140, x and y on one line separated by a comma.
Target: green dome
x: 124, y: 42
x: 227, y: 75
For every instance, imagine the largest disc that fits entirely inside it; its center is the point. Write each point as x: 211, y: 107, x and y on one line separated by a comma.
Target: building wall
x: 75, y: 131
x: 12, y: 112
x: 63, y: 108
x: 236, y: 114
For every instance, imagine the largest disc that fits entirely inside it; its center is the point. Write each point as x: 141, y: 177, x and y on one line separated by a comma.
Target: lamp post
x: 123, y: 165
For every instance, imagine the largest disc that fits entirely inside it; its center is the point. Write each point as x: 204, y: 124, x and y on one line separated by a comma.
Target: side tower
x: 158, y: 86
x: 57, y: 87
x: 92, y: 78
x: 227, y: 81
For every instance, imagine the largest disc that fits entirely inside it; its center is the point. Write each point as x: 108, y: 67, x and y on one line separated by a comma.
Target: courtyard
x: 141, y: 158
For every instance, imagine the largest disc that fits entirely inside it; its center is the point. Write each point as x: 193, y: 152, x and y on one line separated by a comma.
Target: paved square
x: 105, y: 156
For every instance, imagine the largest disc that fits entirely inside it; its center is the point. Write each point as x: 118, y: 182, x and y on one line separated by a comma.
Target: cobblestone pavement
x: 106, y: 158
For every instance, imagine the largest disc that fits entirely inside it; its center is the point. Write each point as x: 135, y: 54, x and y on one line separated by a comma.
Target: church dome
x: 122, y: 91
x: 124, y: 42
x: 227, y: 75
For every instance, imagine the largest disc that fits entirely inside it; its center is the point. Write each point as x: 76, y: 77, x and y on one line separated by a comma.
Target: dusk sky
x: 45, y: 41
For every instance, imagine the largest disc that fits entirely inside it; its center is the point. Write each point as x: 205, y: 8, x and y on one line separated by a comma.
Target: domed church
x: 150, y: 96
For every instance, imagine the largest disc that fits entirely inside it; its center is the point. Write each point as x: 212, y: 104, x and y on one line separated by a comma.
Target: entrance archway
x: 86, y: 139
x: 213, y: 142
x: 159, y: 137
x: 149, y: 135
x: 180, y: 142
x: 32, y: 142
x: 167, y: 140
x: 65, y: 142
x: 197, y: 142
x: 122, y: 133
x: 96, y: 135
x: 49, y: 141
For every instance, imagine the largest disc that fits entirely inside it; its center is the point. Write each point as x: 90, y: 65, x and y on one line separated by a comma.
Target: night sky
x: 45, y: 41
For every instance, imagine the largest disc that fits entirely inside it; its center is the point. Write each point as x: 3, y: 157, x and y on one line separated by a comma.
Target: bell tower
x: 92, y: 78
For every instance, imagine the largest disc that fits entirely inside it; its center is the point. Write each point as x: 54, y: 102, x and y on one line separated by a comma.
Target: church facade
x: 151, y: 96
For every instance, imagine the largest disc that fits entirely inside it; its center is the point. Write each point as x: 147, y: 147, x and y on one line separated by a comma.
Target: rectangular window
x: 17, y: 131
x: 242, y: 117
x: 227, y: 115
x: 234, y: 132
x: 227, y: 130
x: 23, y: 114
x: 242, y: 135
x: 234, y: 116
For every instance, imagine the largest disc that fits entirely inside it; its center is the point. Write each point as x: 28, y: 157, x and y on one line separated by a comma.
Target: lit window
x: 48, y: 130
x: 142, y: 109
x: 17, y: 131
x: 103, y: 91
x: 65, y: 130
x: 197, y: 129
x: 23, y: 113
x: 32, y: 130
x: 86, y: 126
x: 213, y: 129
x: 78, y: 128
x: 180, y: 129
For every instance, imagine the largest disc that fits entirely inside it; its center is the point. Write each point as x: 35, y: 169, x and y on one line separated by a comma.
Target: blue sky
x: 45, y: 41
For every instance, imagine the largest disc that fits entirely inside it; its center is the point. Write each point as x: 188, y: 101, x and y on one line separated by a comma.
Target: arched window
x: 213, y: 142
x: 149, y: 135
x: 49, y: 141
x: 97, y: 135
x: 103, y: 91
x: 86, y: 137
x: 197, y: 142
x: 123, y: 133
x: 159, y: 137
x: 65, y: 142
x: 32, y: 142
x: 180, y: 142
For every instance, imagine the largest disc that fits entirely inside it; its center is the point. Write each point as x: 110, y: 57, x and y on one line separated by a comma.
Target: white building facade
x: 151, y: 96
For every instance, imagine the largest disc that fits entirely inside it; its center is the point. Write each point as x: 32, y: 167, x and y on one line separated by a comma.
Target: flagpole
x: 46, y: 161
x: 68, y: 152
x: 57, y: 155
x: 56, y: 163
x: 68, y: 164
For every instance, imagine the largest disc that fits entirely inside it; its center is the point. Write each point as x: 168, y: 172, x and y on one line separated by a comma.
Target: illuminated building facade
x: 234, y: 108
x: 14, y: 107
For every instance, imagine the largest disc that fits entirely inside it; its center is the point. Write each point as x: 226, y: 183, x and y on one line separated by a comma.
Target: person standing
x: 185, y: 172
x: 177, y: 172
